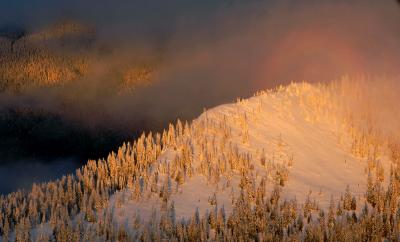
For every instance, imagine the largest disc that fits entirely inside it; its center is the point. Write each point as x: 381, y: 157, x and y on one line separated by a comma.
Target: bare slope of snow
x: 297, y: 137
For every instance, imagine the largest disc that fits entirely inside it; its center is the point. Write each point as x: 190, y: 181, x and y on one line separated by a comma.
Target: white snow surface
x: 281, y: 123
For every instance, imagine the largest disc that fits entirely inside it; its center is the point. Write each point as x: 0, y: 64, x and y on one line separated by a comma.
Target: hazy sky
x: 214, y: 50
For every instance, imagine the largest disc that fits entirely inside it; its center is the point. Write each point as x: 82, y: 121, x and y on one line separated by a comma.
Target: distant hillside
x: 62, y: 53
x: 298, y: 163
x: 41, y: 59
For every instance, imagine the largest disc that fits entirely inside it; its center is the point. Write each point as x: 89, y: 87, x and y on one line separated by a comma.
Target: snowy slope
x: 280, y: 159
x: 300, y: 129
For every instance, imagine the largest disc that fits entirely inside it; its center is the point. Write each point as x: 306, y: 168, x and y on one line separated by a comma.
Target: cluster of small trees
x: 86, y: 194
x: 41, y: 59
x: 88, y: 191
x: 59, y: 54
x: 259, y: 216
x: 77, y: 207
x: 256, y: 216
x: 27, y: 65
x: 134, y: 77
x: 36, y: 64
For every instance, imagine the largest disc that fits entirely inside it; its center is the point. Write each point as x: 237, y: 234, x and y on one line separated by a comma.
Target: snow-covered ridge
x: 287, y: 154
x: 296, y: 137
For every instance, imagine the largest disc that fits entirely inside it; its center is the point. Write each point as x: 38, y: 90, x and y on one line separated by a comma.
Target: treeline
x: 86, y: 192
x: 28, y: 65
x: 134, y: 166
x: 52, y: 57
x: 265, y: 217
x: 271, y: 218
x: 77, y: 207
x: 59, y: 54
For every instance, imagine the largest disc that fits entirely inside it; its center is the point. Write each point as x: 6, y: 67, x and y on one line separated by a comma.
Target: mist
x: 206, y: 53
x: 28, y: 172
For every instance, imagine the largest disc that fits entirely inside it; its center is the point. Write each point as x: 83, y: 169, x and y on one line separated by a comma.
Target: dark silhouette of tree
x: 13, y: 33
